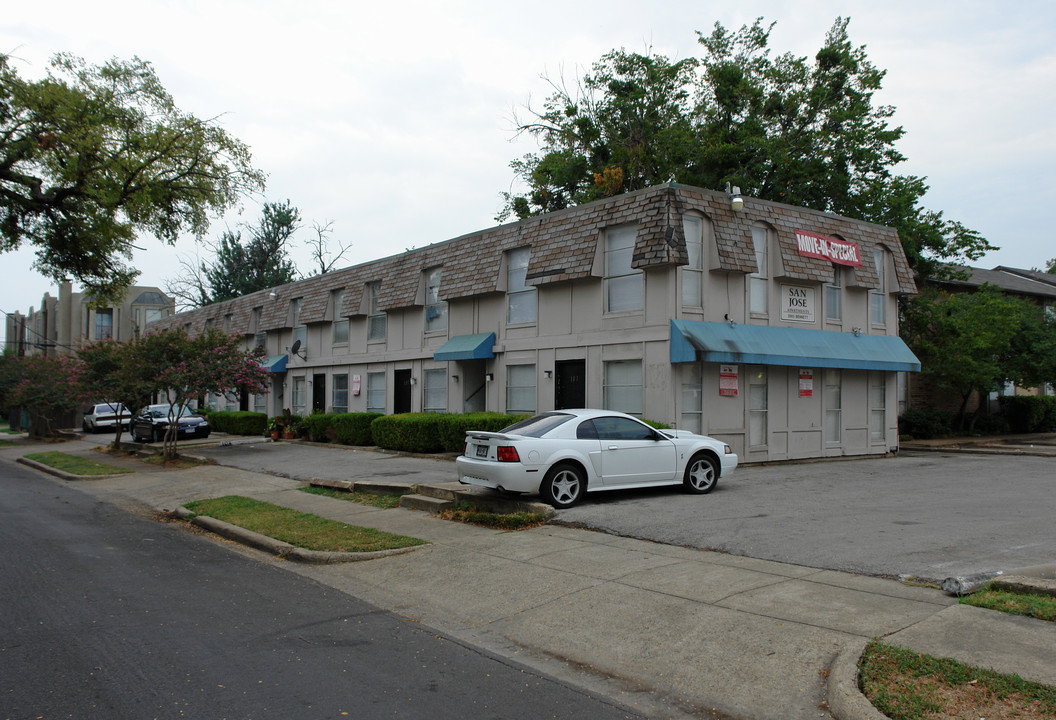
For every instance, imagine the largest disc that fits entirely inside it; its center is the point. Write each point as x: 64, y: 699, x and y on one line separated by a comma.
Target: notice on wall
x: 798, y: 303
x: 728, y: 380
x: 806, y: 382
x: 355, y: 384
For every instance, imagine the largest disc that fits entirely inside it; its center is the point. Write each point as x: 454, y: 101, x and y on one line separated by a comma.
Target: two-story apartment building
x: 771, y: 327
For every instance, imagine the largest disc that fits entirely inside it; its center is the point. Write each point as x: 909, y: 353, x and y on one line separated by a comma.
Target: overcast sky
x: 394, y: 120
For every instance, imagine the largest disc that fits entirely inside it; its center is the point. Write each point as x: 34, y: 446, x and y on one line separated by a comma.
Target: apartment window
x: 376, y: 392
x: 757, y: 406
x: 260, y: 340
x: 759, y: 281
x: 435, y: 308
x: 520, y: 388
x: 254, y: 320
x: 339, y: 398
x: 832, y: 295
x: 435, y: 399
x: 340, y: 322
x: 520, y: 297
x: 622, y: 389
x: 878, y: 297
x: 300, y: 332
x: 260, y: 403
x: 624, y: 286
x: 298, y: 400
x: 375, y: 318
x: 831, y: 397
x: 104, y: 324
x: 877, y: 406
x: 692, y: 397
x: 693, y: 272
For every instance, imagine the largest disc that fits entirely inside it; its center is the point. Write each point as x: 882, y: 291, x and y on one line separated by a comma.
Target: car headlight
x: 727, y: 449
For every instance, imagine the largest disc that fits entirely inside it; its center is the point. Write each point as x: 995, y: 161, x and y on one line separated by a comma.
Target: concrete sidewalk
x: 668, y: 631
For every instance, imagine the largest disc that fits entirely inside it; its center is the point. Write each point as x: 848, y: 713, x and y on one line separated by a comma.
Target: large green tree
x: 781, y: 128
x: 90, y: 156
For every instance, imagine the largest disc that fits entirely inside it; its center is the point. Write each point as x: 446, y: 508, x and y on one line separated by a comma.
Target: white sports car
x: 565, y: 453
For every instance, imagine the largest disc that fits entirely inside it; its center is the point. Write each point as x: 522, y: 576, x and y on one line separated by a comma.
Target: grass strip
x: 7, y: 443
x: 75, y: 465
x: 498, y: 521
x: 1042, y: 607
x: 384, y: 501
x: 299, y: 529
x: 905, y: 685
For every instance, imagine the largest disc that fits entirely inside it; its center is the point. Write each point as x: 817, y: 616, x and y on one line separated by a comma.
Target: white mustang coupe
x: 565, y: 453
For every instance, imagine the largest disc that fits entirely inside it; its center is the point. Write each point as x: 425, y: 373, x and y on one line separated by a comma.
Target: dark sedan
x: 152, y: 422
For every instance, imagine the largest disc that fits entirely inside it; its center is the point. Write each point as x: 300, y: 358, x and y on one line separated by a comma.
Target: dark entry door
x: 570, y: 385
x: 319, y: 393
x: 401, y: 391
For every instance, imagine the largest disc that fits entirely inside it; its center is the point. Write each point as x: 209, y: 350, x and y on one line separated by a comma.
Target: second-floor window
x: 878, y: 297
x: 759, y: 281
x: 520, y: 297
x: 435, y: 308
x: 693, y: 272
x: 300, y: 332
x: 624, y: 285
x: 375, y: 317
x: 340, y: 322
x: 832, y: 295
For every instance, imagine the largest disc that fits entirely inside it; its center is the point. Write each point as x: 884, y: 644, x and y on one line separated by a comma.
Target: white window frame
x: 339, y: 394
x: 377, y: 320
x: 692, y: 397
x: 622, y: 386
x: 877, y: 406
x: 435, y: 308
x: 834, y: 295
x: 299, y: 395
x: 759, y: 281
x: 832, y: 401
x: 758, y: 407
x: 376, y: 391
x: 434, y: 391
x: 521, y: 395
x: 340, y: 324
x: 521, y: 298
x: 104, y: 330
x: 878, y: 297
x: 300, y: 332
x: 624, y: 286
x: 693, y: 271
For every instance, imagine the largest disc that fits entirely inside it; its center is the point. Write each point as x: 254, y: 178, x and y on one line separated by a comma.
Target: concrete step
x: 424, y: 502
x: 383, y: 488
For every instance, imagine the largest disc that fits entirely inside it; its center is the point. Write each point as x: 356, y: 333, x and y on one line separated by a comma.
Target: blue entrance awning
x: 275, y: 363
x: 467, y: 347
x: 764, y: 345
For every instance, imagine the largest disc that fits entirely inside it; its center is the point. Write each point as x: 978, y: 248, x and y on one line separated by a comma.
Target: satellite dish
x: 296, y: 347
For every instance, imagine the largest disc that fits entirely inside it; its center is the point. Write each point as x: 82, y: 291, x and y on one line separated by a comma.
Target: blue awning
x: 275, y: 363
x: 719, y: 342
x: 467, y: 347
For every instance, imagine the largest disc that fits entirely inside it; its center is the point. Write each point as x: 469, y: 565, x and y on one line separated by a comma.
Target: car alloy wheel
x: 701, y: 474
x: 563, y: 486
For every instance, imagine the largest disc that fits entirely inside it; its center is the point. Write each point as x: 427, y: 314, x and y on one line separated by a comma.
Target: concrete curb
x: 62, y: 474
x: 280, y: 549
x: 846, y: 701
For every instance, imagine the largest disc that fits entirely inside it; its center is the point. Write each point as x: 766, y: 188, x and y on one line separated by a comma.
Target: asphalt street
x: 109, y: 614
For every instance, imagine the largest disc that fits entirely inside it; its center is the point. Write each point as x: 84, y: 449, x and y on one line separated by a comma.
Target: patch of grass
x: 498, y: 521
x: 300, y: 529
x: 992, y: 597
x: 386, y: 501
x: 177, y: 463
x: 75, y: 465
x: 911, y: 686
x: 7, y: 443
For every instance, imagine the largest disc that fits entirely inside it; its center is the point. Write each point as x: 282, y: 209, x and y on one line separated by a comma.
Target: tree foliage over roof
x: 92, y: 155
x: 782, y: 128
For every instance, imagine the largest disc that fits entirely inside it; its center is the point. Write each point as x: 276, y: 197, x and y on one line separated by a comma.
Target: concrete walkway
x: 668, y: 631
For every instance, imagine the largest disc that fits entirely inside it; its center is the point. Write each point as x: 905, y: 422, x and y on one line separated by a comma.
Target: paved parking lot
x: 929, y: 515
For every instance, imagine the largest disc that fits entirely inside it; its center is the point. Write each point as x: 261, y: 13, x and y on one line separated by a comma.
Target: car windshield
x: 163, y: 412
x: 538, y: 425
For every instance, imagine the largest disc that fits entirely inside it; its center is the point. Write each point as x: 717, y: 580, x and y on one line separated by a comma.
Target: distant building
x: 62, y: 323
x: 772, y: 327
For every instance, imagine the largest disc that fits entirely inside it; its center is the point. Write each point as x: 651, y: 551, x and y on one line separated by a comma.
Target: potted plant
x: 290, y: 425
x: 275, y: 426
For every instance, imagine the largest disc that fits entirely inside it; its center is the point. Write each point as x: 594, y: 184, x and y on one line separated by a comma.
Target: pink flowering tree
x: 110, y: 374
x: 47, y: 386
x: 183, y: 368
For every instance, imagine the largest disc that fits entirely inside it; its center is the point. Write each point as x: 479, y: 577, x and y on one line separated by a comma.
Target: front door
x: 401, y: 391
x: 319, y: 393
x: 570, y: 384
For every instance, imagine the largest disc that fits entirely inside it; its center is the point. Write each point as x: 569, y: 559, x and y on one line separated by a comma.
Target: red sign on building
x: 841, y: 252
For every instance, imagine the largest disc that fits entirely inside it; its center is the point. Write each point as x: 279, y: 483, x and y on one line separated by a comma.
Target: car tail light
x: 507, y: 453
x: 465, y: 447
